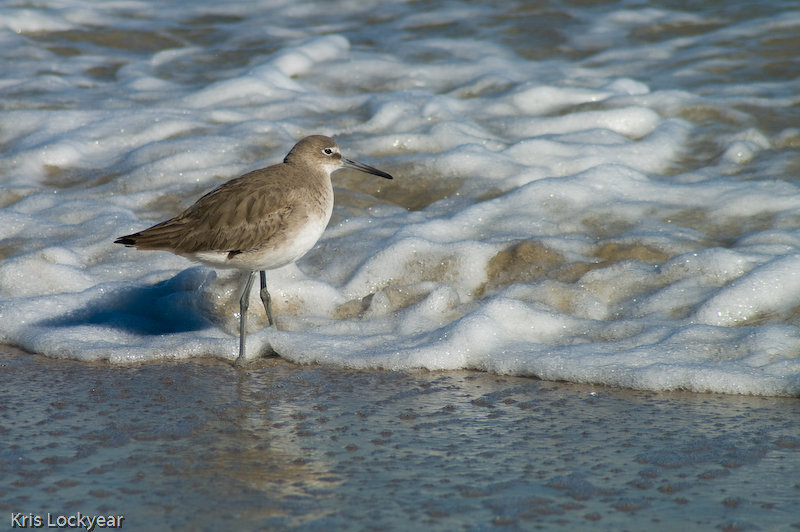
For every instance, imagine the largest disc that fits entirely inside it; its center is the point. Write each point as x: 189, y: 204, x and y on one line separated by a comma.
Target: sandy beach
x: 201, y: 445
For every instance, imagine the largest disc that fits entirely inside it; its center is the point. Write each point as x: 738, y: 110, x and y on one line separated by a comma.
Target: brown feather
x: 237, y: 216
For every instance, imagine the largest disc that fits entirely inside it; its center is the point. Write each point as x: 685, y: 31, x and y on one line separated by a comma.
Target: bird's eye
x: 328, y: 151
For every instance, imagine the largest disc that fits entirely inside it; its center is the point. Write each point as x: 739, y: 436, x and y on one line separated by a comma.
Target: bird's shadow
x: 170, y: 306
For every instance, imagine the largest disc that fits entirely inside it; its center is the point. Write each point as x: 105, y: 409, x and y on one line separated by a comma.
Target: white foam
x: 557, y: 229
x: 41, y: 273
x: 772, y: 288
x: 32, y: 20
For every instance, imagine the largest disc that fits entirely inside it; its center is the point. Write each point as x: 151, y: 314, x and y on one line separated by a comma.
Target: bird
x: 262, y: 220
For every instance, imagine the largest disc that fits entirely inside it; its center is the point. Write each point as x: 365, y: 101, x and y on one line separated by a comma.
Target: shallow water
x: 200, y: 445
x: 599, y: 193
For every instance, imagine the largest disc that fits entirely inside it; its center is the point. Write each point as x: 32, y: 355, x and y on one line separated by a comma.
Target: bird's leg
x: 244, y: 303
x: 266, y: 298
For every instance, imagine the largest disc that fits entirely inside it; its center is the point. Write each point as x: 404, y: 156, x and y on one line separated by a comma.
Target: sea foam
x: 549, y: 218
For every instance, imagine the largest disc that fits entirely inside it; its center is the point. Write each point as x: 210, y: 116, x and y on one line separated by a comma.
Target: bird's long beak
x: 348, y: 163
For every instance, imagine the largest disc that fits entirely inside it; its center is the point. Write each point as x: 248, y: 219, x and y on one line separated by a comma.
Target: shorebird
x: 263, y: 220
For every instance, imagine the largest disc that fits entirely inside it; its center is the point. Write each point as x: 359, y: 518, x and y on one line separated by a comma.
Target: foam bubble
x: 32, y: 20
x: 771, y: 288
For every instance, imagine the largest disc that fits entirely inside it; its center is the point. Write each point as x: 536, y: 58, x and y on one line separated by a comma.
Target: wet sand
x: 201, y: 445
